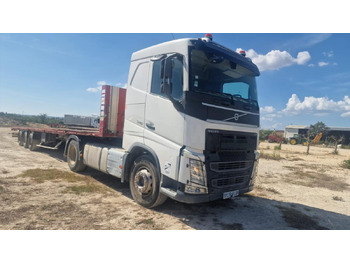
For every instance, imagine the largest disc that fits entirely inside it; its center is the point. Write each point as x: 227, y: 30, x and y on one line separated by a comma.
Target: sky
x: 304, y: 78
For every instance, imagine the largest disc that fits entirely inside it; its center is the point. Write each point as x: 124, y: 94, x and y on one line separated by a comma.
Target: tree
x: 43, y: 118
x: 264, y: 134
x: 313, y: 131
x: 337, y: 140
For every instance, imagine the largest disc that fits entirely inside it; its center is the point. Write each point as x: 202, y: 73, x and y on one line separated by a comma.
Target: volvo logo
x: 235, y: 117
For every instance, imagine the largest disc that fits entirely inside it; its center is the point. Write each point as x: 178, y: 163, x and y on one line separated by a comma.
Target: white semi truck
x: 186, y: 127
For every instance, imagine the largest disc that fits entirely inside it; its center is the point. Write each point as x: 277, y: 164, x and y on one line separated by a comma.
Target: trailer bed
x: 95, y: 132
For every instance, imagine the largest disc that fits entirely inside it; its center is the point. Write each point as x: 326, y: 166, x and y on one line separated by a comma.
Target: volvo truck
x: 186, y: 127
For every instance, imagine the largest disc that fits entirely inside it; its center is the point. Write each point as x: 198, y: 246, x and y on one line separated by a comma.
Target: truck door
x: 164, y: 124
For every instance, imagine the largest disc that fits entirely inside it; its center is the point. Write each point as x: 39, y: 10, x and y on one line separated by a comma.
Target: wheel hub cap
x: 143, y: 181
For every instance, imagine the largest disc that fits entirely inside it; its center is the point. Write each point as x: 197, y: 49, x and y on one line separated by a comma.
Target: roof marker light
x: 207, y: 38
x: 210, y: 36
x: 242, y: 52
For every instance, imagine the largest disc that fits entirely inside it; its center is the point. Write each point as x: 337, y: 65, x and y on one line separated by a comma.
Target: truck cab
x: 191, y: 123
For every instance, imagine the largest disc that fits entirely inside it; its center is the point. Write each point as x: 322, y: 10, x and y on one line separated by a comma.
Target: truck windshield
x: 214, y: 74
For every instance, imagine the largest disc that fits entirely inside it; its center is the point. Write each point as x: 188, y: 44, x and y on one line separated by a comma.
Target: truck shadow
x: 56, y: 154
x: 254, y: 213
x: 244, y: 212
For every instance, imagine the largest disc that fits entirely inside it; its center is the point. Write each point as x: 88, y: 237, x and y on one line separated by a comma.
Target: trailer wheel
x: 145, y: 183
x: 26, y: 139
x: 75, y: 162
x: 33, y: 142
x: 20, y: 137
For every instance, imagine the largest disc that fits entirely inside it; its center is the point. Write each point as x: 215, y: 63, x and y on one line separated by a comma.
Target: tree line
x: 41, y: 118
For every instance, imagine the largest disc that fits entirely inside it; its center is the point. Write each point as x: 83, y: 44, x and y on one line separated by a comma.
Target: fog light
x: 195, y: 189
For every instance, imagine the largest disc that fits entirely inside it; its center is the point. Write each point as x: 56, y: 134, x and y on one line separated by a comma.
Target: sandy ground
x: 298, y: 191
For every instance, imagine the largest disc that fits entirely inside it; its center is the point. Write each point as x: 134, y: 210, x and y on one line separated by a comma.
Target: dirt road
x: 295, y: 191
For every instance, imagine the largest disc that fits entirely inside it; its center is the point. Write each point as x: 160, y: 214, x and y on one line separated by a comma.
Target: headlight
x: 198, y: 180
x: 196, y: 172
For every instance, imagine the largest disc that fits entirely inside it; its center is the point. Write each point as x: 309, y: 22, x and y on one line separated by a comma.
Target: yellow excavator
x: 316, y: 139
x: 298, y: 139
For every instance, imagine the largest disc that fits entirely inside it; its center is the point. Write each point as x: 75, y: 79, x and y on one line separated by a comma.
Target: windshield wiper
x: 216, y: 93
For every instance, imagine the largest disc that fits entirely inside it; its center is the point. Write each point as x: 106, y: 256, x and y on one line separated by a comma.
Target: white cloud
x: 310, y: 65
x: 347, y: 114
x: 101, y: 83
x: 267, y: 109
x: 98, y: 88
x: 316, y: 105
x: 122, y: 85
x: 276, y: 59
x: 93, y: 89
x: 328, y: 54
x: 321, y: 64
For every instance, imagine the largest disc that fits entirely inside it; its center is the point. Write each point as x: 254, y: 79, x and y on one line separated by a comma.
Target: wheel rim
x: 72, y: 155
x: 143, y: 182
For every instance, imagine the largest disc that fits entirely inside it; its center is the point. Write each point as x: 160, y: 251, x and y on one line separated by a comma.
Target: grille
x: 224, y: 182
x: 230, y: 166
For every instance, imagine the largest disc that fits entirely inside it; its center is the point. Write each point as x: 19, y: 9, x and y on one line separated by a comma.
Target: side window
x: 140, y: 78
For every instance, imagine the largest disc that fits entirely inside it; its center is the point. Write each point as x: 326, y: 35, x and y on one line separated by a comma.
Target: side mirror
x: 166, y: 74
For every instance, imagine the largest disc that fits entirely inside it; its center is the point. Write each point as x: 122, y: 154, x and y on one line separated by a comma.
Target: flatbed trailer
x: 110, y: 130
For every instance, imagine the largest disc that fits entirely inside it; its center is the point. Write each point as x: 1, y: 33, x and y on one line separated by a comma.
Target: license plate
x: 230, y: 194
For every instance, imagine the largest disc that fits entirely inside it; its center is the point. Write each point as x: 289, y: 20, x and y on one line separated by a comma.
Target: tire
x: 26, y: 139
x: 33, y: 142
x: 20, y: 137
x: 293, y: 141
x: 75, y: 162
x: 145, y: 183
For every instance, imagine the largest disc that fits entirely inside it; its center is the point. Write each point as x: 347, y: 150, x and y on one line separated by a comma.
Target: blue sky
x: 305, y: 78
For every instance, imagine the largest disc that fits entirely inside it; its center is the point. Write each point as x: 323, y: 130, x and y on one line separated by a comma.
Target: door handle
x: 150, y: 125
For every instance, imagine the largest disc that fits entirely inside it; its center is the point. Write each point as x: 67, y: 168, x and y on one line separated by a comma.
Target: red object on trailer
x: 111, y: 117
x: 112, y: 111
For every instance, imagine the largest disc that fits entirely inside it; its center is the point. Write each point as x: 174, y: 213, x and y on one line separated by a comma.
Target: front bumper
x: 195, y: 199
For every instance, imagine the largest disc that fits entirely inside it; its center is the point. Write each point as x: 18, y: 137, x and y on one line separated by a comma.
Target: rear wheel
x: 33, y: 141
x: 145, y: 183
x: 26, y: 139
x: 20, y: 137
x: 75, y: 162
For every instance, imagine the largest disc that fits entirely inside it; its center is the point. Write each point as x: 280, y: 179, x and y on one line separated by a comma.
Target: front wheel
x: 145, y: 183
x: 75, y: 162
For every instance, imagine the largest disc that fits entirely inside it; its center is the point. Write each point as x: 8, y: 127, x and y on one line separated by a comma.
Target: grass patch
x: 346, y: 164
x: 312, y: 178
x: 88, y: 188
x: 336, y: 198
x: 42, y: 175
x: 279, y: 147
x: 273, y: 156
x: 2, y: 189
x: 295, y: 159
x: 299, y: 220
x: 146, y: 222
